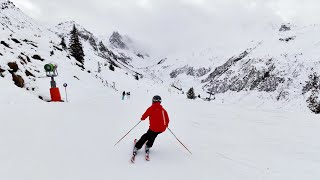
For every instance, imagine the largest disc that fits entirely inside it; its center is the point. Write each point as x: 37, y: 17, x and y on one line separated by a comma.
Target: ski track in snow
x: 75, y: 141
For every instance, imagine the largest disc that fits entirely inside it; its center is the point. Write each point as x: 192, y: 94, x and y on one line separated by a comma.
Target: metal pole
x: 65, y: 88
x: 53, y: 82
x: 128, y: 132
x: 180, y: 141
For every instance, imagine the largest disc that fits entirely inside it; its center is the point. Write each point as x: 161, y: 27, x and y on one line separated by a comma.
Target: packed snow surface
x: 75, y: 140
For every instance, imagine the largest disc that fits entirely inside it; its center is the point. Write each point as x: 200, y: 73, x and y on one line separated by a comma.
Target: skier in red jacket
x: 159, y: 121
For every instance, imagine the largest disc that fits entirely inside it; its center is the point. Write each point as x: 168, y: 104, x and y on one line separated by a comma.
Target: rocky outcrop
x: 13, y: 67
x: 225, y: 67
x: 190, y: 71
x: 18, y: 80
x: 243, y: 74
x: 285, y: 27
x: 287, y: 39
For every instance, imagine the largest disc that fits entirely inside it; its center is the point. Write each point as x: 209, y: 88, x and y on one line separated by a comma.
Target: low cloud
x: 168, y: 26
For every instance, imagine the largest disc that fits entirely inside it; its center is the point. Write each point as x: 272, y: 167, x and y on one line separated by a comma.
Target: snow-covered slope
x: 27, y: 46
x: 75, y: 141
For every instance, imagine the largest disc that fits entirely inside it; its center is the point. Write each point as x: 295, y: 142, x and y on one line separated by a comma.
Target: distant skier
x: 123, y: 94
x: 158, y: 120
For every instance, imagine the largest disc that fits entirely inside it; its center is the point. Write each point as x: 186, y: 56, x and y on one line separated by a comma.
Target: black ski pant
x: 149, y: 136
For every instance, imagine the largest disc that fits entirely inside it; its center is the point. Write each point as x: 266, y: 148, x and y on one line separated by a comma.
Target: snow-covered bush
x: 313, y: 85
x: 111, y: 67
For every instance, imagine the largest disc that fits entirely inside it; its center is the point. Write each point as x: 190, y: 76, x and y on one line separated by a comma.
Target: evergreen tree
x: 111, y: 67
x: 75, y: 46
x: 191, y: 94
x: 63, y: 43
x: 136, y: 76
x: 99, y: 67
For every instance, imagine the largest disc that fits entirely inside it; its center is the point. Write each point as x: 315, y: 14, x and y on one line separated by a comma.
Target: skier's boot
x: 147, y: 149
x: 135, y: 150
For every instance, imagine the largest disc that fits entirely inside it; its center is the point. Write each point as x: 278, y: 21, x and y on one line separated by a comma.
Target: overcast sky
x: 169, y: 25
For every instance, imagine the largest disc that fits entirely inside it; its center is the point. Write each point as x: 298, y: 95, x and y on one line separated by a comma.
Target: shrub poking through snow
x: 111, y: 67
x: 313, y: 86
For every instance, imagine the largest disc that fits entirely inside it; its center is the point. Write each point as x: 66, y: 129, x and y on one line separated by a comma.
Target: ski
x: 147, y: 157
x: 133, y: 158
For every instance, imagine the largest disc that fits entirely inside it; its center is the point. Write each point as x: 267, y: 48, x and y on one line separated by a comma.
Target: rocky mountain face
x: 112, y: 51
x: 277, y: 67
x: 282, y: 73
x: 117, y: 41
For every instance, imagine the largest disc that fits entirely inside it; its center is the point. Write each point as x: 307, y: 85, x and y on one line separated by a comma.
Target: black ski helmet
x: 156, y: 98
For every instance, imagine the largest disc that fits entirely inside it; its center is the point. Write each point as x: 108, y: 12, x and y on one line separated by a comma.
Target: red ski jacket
x: 158, y: 117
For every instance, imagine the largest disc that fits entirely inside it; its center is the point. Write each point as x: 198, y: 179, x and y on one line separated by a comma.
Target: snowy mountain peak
x: 68, y: 25
x: 124, y: 42
x: 13, y: 19
x: 63, y: 30
x: 117, y: 41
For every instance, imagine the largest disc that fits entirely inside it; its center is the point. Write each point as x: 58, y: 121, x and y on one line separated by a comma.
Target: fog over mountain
x: 168, y: 26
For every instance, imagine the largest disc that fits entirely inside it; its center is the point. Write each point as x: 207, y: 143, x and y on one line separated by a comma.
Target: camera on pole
x: 51, y: 71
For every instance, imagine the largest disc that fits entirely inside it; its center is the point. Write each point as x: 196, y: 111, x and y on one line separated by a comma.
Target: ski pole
x: 128, y: 132
x: 179, y: 141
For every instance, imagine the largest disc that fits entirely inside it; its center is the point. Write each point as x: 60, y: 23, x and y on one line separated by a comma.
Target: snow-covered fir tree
x: 75, y: 46
x: 63, y: 43
x: 191, y: 94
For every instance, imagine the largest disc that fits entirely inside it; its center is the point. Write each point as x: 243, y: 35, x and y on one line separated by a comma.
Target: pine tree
x: 136, y: 76
x: 75, y: 46
x: 63, y: 43
x: 191, y: 94
x: 111, y: 67
x: 99, y: 67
